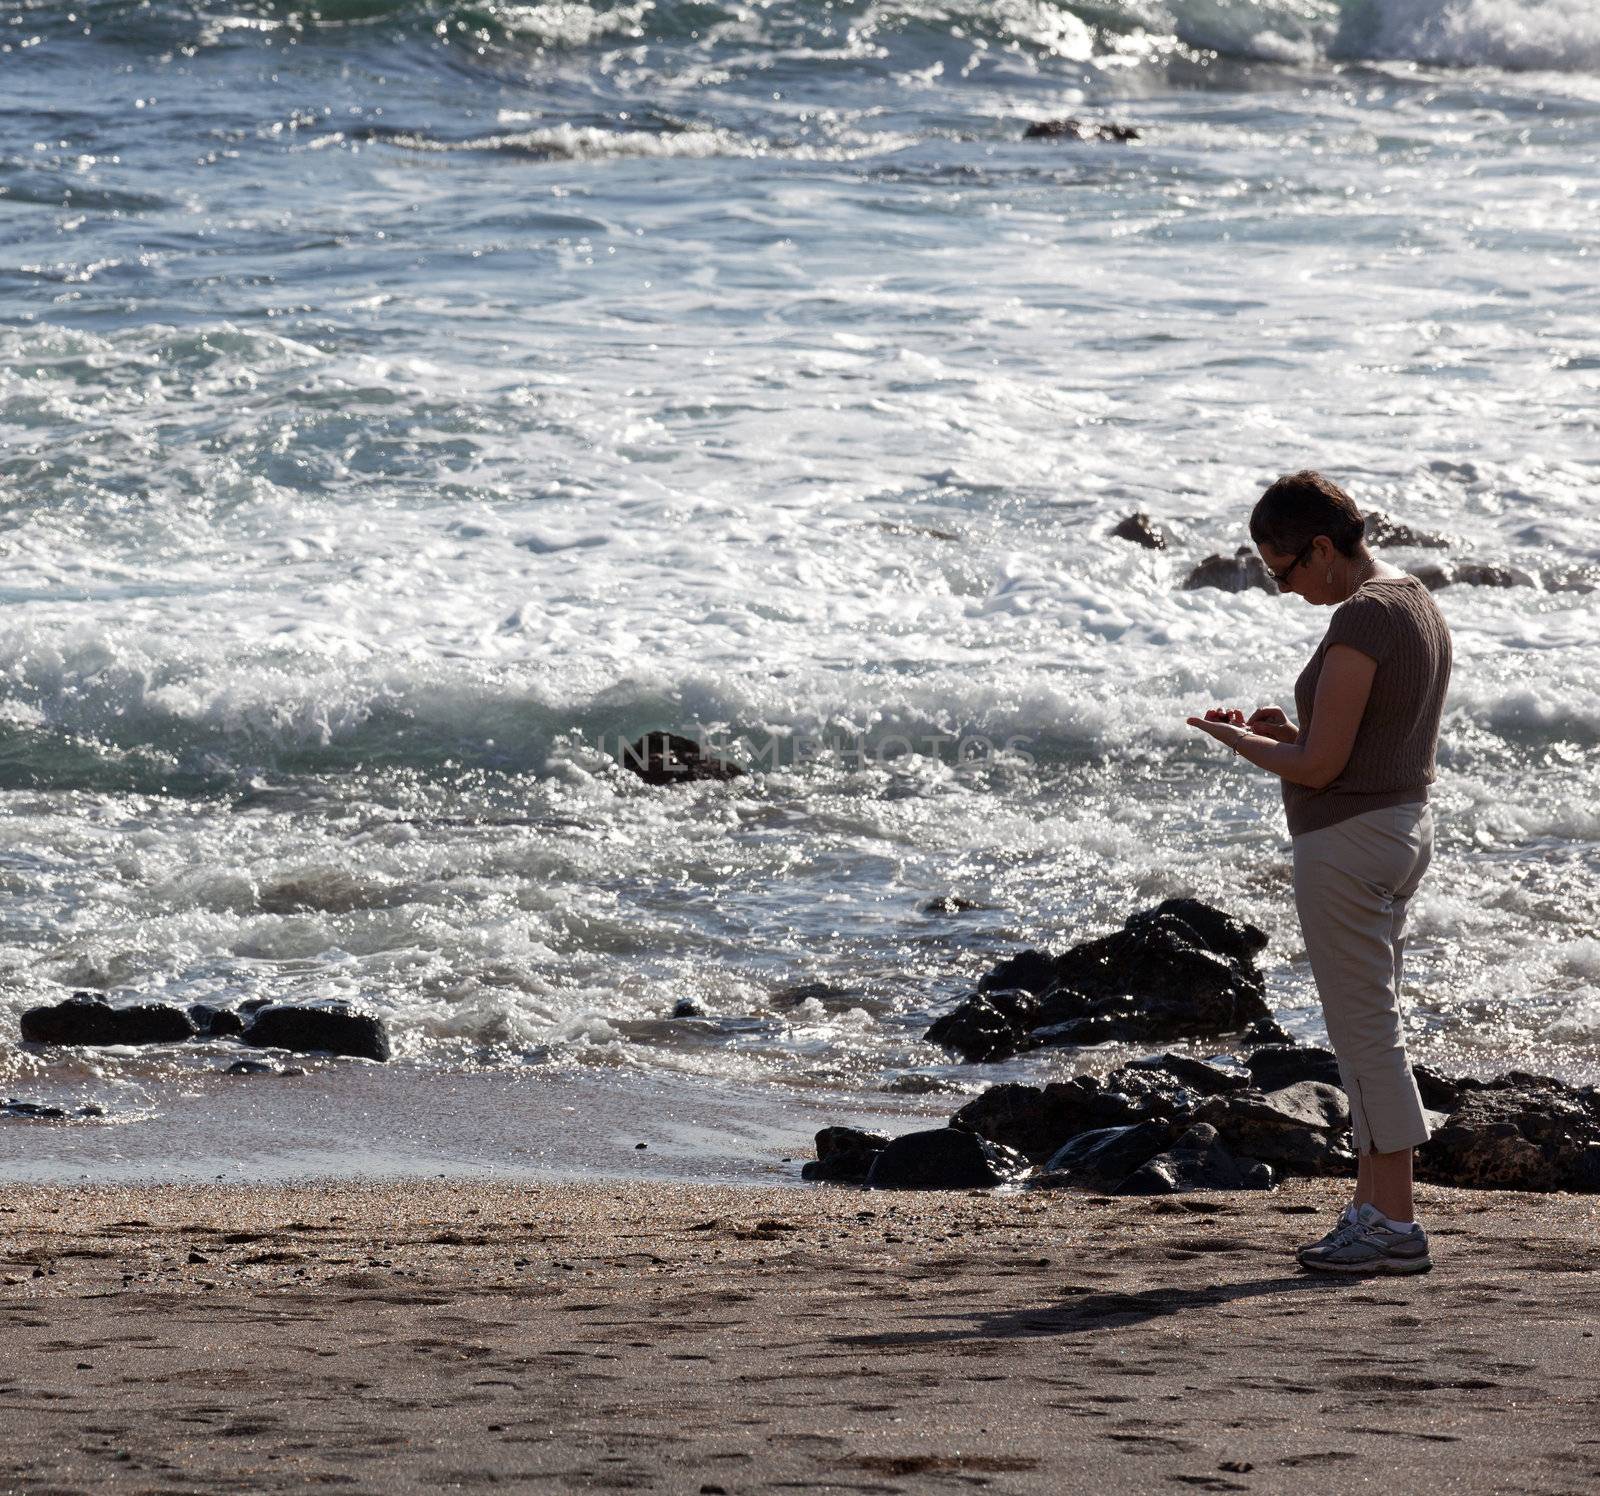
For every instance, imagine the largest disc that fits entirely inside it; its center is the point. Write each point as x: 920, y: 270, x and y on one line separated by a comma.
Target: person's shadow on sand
x: 1087, y: 1312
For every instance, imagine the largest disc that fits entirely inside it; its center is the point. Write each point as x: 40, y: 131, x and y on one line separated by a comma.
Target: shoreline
x: 358, y: 1121
x: 672, y: 1337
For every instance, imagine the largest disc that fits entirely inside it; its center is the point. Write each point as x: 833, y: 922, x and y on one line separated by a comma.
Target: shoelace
x: 1343, y: 1237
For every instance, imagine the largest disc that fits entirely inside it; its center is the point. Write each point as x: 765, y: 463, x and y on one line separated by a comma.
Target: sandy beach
x: 437, y: 1336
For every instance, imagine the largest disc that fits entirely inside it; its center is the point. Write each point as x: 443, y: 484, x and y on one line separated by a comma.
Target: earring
x: 1330, y: 576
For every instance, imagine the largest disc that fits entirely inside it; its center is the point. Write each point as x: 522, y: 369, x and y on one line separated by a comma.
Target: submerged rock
x: 663, y: 758
x: 1077, y: 129
x: 335, y: 1029
x: 1435, y: 576
x: 1139, y: 529
x: 1236, y: 573
x: 41, y: 1110
x: 950, y: 903
x: 1573, y: 579
x: 46, y: 1111
x: 87, y: 1018
x: 944, y: 1158
x: 1382, y: 531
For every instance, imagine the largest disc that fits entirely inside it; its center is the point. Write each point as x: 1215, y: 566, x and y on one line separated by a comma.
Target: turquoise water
x: 402, y: 404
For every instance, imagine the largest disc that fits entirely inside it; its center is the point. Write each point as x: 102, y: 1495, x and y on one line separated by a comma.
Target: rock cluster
x: 1244, y: 571
x: 1181, y: 970
x: 87, y: 1018
x: 1171, y: 1122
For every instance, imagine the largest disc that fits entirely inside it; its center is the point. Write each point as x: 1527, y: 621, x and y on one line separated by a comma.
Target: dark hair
x: 1298, y: 508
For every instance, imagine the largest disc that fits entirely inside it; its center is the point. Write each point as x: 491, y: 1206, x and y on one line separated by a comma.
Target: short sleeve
x: 1363, y: 623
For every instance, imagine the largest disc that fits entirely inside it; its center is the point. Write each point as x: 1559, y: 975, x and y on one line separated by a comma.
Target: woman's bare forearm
x: 1287, y: 760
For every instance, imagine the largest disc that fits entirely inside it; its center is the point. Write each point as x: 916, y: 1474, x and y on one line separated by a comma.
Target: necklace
x: 1367, y: 572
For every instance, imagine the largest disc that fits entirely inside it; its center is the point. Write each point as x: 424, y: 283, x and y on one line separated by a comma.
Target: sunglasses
x: 1282, y: 577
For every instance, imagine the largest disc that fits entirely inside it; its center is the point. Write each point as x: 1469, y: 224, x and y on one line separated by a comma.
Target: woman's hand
x: 1273, y: 722
x: 1224, y: 732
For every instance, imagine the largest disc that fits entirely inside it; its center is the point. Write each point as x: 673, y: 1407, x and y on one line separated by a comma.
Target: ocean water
x: 403, y: 404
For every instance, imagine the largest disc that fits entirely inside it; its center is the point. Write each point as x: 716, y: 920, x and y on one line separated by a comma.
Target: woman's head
x: 1305, y: 517
x: 1302, y: 506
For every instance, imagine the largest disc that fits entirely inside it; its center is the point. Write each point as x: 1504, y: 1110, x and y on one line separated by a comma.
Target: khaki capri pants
x: 1352, y: 884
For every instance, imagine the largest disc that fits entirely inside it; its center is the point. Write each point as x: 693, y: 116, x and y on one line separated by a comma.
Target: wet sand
x: 442, y: 1335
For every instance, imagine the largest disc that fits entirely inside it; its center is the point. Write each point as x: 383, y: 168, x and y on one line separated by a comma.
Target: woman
x: 1355, y: 786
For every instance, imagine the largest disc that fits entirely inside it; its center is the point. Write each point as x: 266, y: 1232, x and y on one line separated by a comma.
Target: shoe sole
x: 1378, y: 1266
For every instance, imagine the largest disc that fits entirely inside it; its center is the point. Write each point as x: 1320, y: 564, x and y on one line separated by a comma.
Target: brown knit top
x: 1395, y: 621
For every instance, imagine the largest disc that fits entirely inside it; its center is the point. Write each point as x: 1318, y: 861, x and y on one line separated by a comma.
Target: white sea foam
x: 589, y: 143
x: 1560, y: 35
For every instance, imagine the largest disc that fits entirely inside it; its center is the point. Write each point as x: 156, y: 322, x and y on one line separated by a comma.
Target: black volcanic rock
x: 1520, y: 1132
x: 665, y: 758
x: 1037, y: 1120
x: 1105, y: 1156
x: 845, y: 1155
x: 1382, y: 531
x: 1149, y: 981
x: 87, y: 1018
x: 1435, y: 576
x: 1266, y: 1031
x: 1274, y: 1066
x: 1439, y: 1093
x: 1139, y: 529
x: 1077, y: 129
x: 1301, y: 1129
x: 944, y: 1158
x: 1204, y: 1077
x: 212, y: 1022
x: 1196, y: 1161
x: 1205, y: 924
x: 990, y: 1026
x: 1181, y: 970
x: 1236, y: 573
x: 1032, y: 971
x: 336, y: 1029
